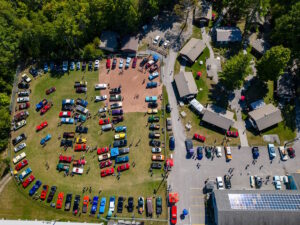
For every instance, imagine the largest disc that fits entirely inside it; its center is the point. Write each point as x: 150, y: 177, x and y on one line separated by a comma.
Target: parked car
x: 104, y: 121
x: 78, y: 65
x: 85, y: 204
x: 291, y: 152
x: 255, y: 152
x: 100, y: 86
x: 22, y: 99
x: 108, y: 63
x: 115, y: 90
x: 19, y: 157
x: 80, y: 140
x: 168, y: 108
x: 44, y: 192
x: 96, y: 66
x: 66, y: 143
x: 143, y: 62
x: 51, y: 194
x: 220, y: 184
x: 156, y: 165
x: 24, y: 174
x: 19, y: 124
x: 106, y: 127
x: 199, y: 137
x: 154, y: 135
x: 90, y: 66
x: 102, y: 150
x: 130, y: 204
x: 140, y: 205
x: 258, y: 181
x: 67, y: 120
x: 151, y: 98
x: 35, y: 187
x: 114, y: 64
x: 120, y: 143
x: 271, y: 150
x: 120, y: 136
x: 100, y: 98
x: 123, y: 167
x: 228, y: 153
x: 156, y: 150
x: 72, y: 66
x: 18, y: 139
x: 128, y: 60
x: 116, y: 105
x: 65, y: 66
x: 112, y: 201
x: 172, y: 143
x: 120, y: 204
x: 80, y: 84
x: 156, y: 39
x: 28, y: 181
x: 106, y: 163
x: 26, y: 78
x: 277, y: 182
x: 62, y: 167
x: 199, y: 152
x: 152, y: 119
x: 154, y: 143
x: 46, y: 108
x: 227, y: 181
x: 134, y: 62
x: 23, y: 93
x: 76, y: 203
x: 152, y: 69
x: 41, y: 104
x: 154, y: 126
x: 283, y: 153
x: 104, y: 157
x: 115, y: 97
x: 21, y: 116
x: 123, y: 151
x: 68, y: 202
x: 151, y: 84
x: 169, y: 124
x: 25, y: 105
x: 122, y: 159
x: 102, y: 205
x: 232, y: 133
x: 149, y: 64
x: 149, y: 206
x: 158, y: 157
x: 45, y: 139
x: 60, y: 199
x: 81, y: 102
x: 50, y: 90
x: 21, y: 165
x: 152, y: 111
x: 41, y: 126
x: 94, y: 205
x: 68, y: 102
x: 66, y: 159
x: 120, y: 129
x: 173, y: 214
x: 189, y: 147
x: 121, y: 64
x: 81, y: 129
x: 158, y: 205
x: 23, y: 85
x: 81, y: 90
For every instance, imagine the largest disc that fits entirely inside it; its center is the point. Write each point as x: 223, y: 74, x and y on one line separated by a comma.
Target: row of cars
x: 113, y: 64
x: 66, y: 66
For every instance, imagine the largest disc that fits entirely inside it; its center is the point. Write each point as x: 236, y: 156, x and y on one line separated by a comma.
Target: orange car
x: 60, y: 199
x: 158, y: 157
x: 86, y: 200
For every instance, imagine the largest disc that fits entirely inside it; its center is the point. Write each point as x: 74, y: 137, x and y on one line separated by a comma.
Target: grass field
x: 135, y: 182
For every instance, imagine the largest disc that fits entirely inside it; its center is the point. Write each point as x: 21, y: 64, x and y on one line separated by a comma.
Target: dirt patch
x: 133, y: 82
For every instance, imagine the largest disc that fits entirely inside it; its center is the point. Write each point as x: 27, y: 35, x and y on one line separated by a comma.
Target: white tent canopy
x: 197, y: 106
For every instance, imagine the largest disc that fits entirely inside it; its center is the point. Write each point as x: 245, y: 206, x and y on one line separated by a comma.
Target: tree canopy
x: 272, y: 64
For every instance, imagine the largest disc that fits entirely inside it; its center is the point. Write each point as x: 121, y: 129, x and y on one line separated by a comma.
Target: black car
x: 90, y: 67
x: 81, y: 130
x: 156, y: 165
x: 67, y: 108
x: 154, y: 143
x: 83, y: 66
x: 115, y: 90
x: 123, y: 151
x: 161, y: 42
x: 168, y: 108
x: 120, y: 143
x: 81, y: 90
x: 227, y: 182
x: 120, y: 204
x: 130, y: 204
x: 66, y: 143
x: 152, y: 104
x: 33, y: 71
x: 144, y: 61
x: 51, y: 194
x: 23, y: 85
x: 114, y: 63
x: 23, y: 93
x: 18, y: 139
x: 258, y: 181
x: 68, y: 202
x: 76, y: 204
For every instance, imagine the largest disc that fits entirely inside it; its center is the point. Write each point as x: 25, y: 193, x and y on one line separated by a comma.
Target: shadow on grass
x: 257, y: 90
x: 212, y: 127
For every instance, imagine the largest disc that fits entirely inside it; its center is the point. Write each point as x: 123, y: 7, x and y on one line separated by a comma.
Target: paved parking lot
x: 194, y: 178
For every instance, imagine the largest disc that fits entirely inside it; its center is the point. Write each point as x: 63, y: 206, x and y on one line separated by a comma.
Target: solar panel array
x: 265, y: 201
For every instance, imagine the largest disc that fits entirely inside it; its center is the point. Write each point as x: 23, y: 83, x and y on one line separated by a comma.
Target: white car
x: 283, y: 153
x: 101, y: 110
x: 220, y: 184
x: 156, y: 39
x: 252, y: 182
x: 23, y: 99
x: 20, y: 147
x: 96, y: 66
x: 166, y: 44
x: 100, y: 98
x: 77, y: 170
x: 104, y: 156
x: 156, y: 150
x: 112, y: 206
x: 121, y: 64
x: 26, y: 78
x: 219, y: 151
x: 100, y: 86
x: 20, y: 124
x: 277, y: 183
x: 18, y: 158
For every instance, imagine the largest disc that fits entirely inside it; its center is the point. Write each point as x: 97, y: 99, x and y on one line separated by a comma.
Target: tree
x: 272, y: 64
x: 235, y: 70
x: 4, y: 128
x: 4, y: 100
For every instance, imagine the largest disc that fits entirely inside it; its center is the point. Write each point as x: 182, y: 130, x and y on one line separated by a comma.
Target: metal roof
x: 266, y: 116
x: 185, y: 83
x: 109, y: 41
x: 228, y: 34
x: 197, y: 105
x: 218, y: 116
x: 193, y: 49
x: 259, y: 45
x: 130, y: 44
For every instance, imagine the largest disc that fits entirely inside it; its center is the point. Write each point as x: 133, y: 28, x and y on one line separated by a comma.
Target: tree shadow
x: 289, y: 116
x: 218, y: 95
x: 257, y: 90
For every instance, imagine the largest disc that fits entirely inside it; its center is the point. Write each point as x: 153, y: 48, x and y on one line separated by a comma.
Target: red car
x: 103, y: 121
x: 28, y: 181
x: 21, y: 165
x: 41, y: 126
x: 65, y: 114
x: 153, y: 68
x: 291, y: 152
x: 102, y: 150
x: 123, y: 167
x: 108, y: 64
x: 46, y: 108
x: 60, y: 199
x: 66, y: 159
x: 107, y: 172
x: 25, y: 105
x: 134, y: 62
x: 79, y: 162
x: 44, y: 192
x: 232, y: 133
x: 173, y: 214
x: 50, y: 90
x: 80, y: 148
x: 199, y: 137
x: 105, y: 164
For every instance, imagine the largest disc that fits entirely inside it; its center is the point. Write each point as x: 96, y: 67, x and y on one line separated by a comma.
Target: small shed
x: 130, y: 45
x: 259, y: 46
x: 203, y: 13
x: 225, y: 35
x: 196, y: 106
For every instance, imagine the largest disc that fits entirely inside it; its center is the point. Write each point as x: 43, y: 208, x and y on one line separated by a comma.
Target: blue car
x: 72, y: 66
x: 102, y: 205
x: 152, y: 76
x: 41, y: 104
x: 78, y: 66
x: 51, y: 66
x: 24, y: 174
x: 35, y: 187
x: 45, y: 68
x: 271, y: 150
x: 68, y: 102
x: 172, y: 143
x: 67, y: 120
x: 151, y: 85
x: 45, y: 139
x: 151, y: 98
x: 199, y: 153
x: 65, y: 66
x: 127, y: 62
x: 94, y: 205
x: 121, y: 129
x: 82, y: 102
x: 122, y: 159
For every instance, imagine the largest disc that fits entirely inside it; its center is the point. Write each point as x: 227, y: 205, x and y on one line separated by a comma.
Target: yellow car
x: 120, y: 136
x: 81, y: 140
x: 228, y: 153
x: 152, y: 111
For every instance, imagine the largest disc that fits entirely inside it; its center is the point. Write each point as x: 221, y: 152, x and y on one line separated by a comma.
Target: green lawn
x: 134, y: 182
x: 196, y: 32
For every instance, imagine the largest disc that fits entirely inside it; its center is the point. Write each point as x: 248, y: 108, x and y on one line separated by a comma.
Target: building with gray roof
x: 218, y: 117
x: 265, y: 117
x: 186, y: 85
x: 259, y: 46
x: 261, y: 207
x: 130, y: 44
x: 203, y: 13
x: 109, y: 41
x: 192, y: 49
x: 225, y: 35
